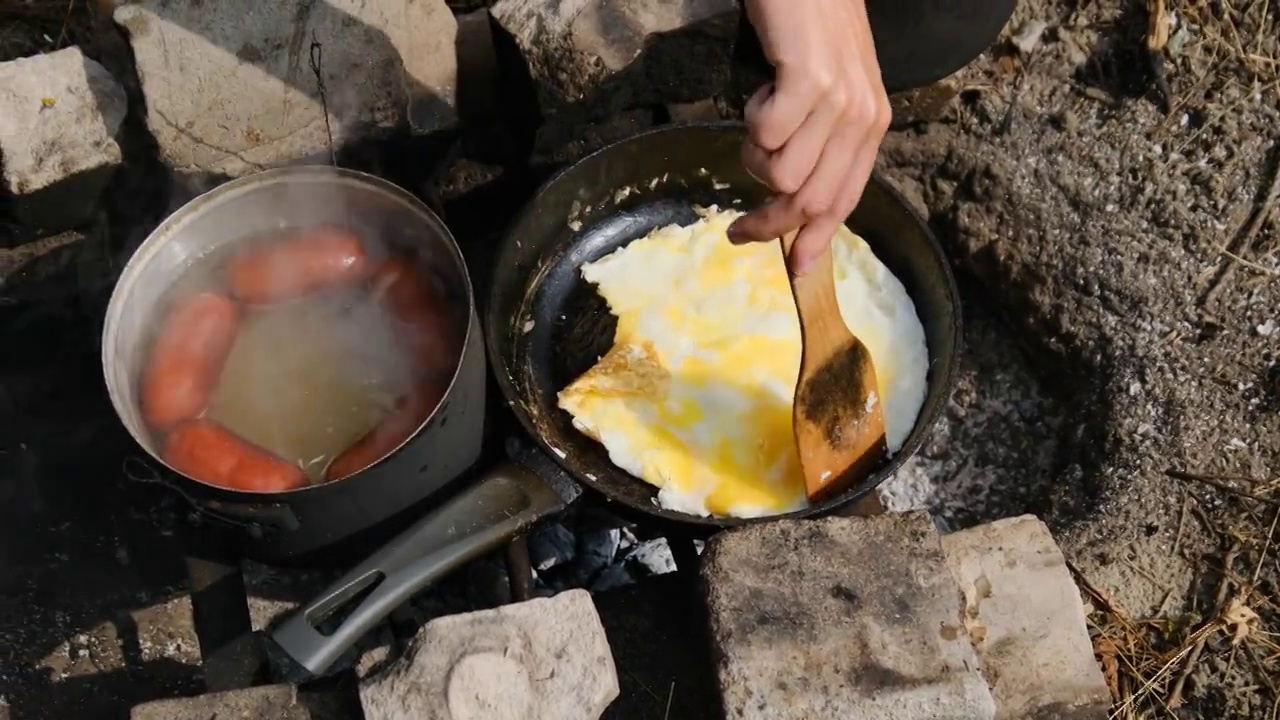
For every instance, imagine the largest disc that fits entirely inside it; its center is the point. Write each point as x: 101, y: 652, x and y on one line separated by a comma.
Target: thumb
x: 813, y: 240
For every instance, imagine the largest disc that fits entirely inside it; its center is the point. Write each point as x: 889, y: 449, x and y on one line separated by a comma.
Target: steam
x: 308, y: 377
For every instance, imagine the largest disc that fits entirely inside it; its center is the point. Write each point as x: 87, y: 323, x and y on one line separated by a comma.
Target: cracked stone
x: 1025, y: 618
x: 231, y: 89
x: 597, y: 57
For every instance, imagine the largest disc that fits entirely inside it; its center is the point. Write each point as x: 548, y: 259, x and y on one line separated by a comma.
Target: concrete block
x: 840, y: 618
x: 1024, y: 615
x: 59, y: 117
x: 602, y: 56
x: 546, y: 658
x: 231, y: 88
x: 268, y: 702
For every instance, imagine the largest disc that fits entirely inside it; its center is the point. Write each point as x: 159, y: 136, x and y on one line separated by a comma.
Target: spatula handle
x: 821, y: 323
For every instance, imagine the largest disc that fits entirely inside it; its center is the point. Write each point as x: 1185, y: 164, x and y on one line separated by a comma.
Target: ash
x: 995, y: 450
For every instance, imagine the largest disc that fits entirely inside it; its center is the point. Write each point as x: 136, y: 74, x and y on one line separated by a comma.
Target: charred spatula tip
x: 840, y: 423
x: 825, y: 397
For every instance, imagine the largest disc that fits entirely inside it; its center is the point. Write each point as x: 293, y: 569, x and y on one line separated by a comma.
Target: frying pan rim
x: 174, y: 222
x: 497, y: 328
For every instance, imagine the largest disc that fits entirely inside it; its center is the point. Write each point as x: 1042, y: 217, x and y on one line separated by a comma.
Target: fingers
x: 830, y: 157
x: 755, y: 104
x: 779, y: 216
x: 767, y: 222
x: 856, y: 182
x: 816, y: 236
x: 816, y: 198
x: 811, y: 242
x: 775, y: 117
x: 756, y: 161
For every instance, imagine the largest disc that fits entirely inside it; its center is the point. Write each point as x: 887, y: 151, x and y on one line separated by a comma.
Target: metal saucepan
x: 286, y: 524
x: 577, y: 216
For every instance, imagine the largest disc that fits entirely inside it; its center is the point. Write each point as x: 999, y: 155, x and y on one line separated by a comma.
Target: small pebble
x: 1028, y: 37
x: 1069, y: 121
x: 654, y: 556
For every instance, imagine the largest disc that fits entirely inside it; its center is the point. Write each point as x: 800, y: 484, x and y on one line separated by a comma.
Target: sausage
x: 394, y: 429
x: 296, y: 264
x: 185, y: 360
x: 204, y: 450
x: 430, y: 333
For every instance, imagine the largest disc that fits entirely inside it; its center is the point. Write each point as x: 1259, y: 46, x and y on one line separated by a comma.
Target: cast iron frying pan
x: 546, y: 325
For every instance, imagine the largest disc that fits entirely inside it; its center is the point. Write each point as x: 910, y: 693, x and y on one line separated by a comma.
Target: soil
x: 1132, y: 250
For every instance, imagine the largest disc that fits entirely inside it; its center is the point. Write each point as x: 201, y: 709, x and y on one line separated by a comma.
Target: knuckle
x: 767, y: 136
x: 785, y: 180
x: 839, y: 98
x: 815, y: 205
x: 859, y: 109
x: 883, y: 117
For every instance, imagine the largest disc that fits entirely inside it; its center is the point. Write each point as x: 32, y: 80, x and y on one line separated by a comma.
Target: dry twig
x: 1244, y: 241
x: 1217, y: 482
x: 1175, y: 696
x: 1156, y: 40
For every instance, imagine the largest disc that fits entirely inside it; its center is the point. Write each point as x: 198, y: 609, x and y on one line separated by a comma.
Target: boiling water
x: 307, y: 378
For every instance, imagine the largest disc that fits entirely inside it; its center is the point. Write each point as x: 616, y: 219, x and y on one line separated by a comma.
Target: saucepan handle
x: 478, y: 520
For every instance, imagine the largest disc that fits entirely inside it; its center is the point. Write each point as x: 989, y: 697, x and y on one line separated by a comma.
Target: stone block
x: 1024, y: 615
x: 233, y: 88
x: 546, y: 658
x: 598, y: 57
x: 60, y: 114
x: 268, y: 702
x: 840, y: 618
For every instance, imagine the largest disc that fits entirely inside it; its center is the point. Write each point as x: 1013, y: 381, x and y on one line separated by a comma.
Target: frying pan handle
x: 482, y: 518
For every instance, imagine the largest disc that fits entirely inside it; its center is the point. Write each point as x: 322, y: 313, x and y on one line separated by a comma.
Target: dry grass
x: 1152, y: 666
x: 1236, y: 40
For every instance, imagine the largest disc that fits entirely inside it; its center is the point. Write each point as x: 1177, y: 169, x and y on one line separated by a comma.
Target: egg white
x: 695, y: 396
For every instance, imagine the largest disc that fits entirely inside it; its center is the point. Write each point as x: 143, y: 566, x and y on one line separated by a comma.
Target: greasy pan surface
x: 546, y: 325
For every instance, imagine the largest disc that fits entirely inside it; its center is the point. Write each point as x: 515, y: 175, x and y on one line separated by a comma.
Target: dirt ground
x: 1130, y: 240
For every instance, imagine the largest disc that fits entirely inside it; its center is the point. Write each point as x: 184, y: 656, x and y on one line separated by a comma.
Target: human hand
x: 814, y: 133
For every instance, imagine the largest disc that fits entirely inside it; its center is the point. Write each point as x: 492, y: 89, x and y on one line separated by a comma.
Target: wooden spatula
x: 838, y: 417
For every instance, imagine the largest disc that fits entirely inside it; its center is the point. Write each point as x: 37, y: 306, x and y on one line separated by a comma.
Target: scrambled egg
x: 695, y: 396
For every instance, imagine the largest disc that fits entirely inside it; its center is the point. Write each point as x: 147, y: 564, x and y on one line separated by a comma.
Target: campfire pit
x: 1118, y: 376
